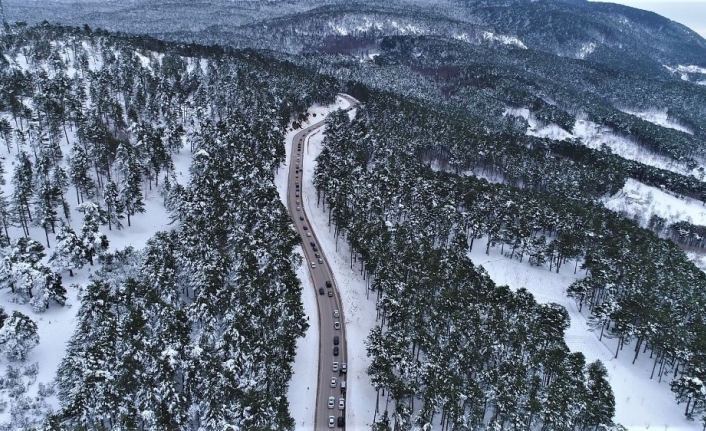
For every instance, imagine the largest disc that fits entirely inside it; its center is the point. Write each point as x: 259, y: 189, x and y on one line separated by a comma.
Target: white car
x: 309, y: 235
x: 344, y: 367
x: 331, y: 402
x: 313, y: 264
x: 333, y: 382
x: 335, y: 313
x: 335, y: 366
x: 299, y: 208
x: 331, y: 421
x: 341, y: 403
x: 336, y: 325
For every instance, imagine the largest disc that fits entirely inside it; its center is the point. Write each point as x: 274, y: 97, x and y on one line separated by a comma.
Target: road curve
x: 320, y: 274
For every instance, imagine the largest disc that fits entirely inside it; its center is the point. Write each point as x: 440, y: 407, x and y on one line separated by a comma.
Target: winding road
x: 330, y: 310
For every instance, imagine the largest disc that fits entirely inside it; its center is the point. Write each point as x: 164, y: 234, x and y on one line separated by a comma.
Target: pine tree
x: 79, y: 166
x: 131, y: 183
x: 69, y: 253
x: 94, y: 242
x: 18, y: 336
x: 113, y: 204
x: 600, y: 401
x: 22, y: 193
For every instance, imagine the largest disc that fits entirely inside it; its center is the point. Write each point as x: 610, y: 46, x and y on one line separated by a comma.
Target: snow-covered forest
x: 150, y: 277
x: 197, y: 329
x: 437, y: 311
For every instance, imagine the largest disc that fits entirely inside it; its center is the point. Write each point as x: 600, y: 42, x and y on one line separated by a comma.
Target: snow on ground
x: 640, y: 201
x: 660, y: 118
x: 551, y: 131
x: 56, y: 325
x: 586, y: 50
x: 302, y: 387
x: 505, y: 40
x: 641, y: 403
x: 593, y: 135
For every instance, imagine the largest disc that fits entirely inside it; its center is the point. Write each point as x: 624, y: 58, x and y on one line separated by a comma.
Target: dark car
x: 312, y: 243
x: 335, y: 351
x: 341, y: 421
x: 321, y: 290
x: 313, y: 247
x: 301, y: 218
x: 336, y: 340
x: 328, y: 283
x: 305, y: 228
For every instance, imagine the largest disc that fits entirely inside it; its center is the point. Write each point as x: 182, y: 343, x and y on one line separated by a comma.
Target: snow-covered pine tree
x: 79, y: 166
x: 94, y: 242
x: 114, y: 207
x: 130, y: 196
x: 68, y: 253
x: 18, y: 336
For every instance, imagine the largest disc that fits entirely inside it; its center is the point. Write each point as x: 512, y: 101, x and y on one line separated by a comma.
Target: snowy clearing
x: 640, y: 403
x: 639, y: 201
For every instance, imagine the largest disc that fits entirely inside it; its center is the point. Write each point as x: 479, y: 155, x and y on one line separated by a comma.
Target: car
x: 331, y: 421
x: 330, y: 293
x: 317, y: 255
x: 297, y: 195
x: 334, y: 382
x: 335, y: 366
x: 298, y: 202
x: 305, y: 228
x: 308, y: 234
x: 341, y: 421
x: 314, y: 248
x: 321, y: 261
x: 331, y: 401
x: 341, y: 403
x: 335, y: 351
x: 336, y: 313
x: 344, y: 367
x: 336, y: 340
x: 301, y: 218
x: 328, y: 283
x: 299, y: 208
x: 312, y: 243
x: 313, y: 264
x: 296, y: 176
x: 321, y: 290
x: 336, y: 325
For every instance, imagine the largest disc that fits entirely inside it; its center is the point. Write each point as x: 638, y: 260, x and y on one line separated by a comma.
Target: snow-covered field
x: 641, y: 403
x: 639, y: 201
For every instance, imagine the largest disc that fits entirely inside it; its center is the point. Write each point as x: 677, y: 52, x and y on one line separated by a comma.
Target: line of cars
x: 342, y: 367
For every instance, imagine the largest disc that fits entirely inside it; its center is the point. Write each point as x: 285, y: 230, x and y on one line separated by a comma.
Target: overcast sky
x: 691, y: 13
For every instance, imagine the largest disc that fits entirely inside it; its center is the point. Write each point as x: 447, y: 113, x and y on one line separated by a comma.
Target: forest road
x: 328, y: 306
